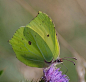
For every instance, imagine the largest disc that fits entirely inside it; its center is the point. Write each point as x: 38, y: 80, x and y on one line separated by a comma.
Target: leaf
x: 1, y: 72
x: 36, y: 42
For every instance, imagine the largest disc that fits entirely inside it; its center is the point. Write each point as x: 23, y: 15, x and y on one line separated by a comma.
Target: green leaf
x: 36, y: 42
x: 1, y: 72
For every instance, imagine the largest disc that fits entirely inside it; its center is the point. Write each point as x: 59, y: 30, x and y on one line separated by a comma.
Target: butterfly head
x: 57, y: 61
x: 60, y: 60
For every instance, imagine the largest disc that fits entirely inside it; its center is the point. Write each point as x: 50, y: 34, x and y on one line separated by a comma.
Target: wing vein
x: 28, y: 49
x: 38, y: 46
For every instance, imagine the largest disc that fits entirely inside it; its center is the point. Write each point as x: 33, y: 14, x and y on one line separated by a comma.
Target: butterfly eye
x: 59, y: 60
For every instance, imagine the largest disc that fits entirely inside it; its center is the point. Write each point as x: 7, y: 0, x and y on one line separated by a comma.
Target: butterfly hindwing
x: 20, y: 46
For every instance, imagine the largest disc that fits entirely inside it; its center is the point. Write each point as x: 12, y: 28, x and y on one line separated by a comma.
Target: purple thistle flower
x: 52, y: 74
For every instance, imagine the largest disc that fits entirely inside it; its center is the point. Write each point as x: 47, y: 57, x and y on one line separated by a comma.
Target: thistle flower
x: 52, y: 74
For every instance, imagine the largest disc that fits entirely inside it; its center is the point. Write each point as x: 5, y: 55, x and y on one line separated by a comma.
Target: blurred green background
x: 69, y: 17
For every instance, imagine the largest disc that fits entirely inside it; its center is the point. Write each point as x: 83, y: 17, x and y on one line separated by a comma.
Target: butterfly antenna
x: 68, y: 60
x: 65, y: 67
x: 70, y: 57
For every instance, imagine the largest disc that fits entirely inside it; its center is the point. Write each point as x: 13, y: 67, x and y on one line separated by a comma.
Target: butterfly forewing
x: 44, y: 26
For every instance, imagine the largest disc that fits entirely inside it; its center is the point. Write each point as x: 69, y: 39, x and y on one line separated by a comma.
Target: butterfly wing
x: 36, y: 43
x: 44, y: 27
x: 26, y: 53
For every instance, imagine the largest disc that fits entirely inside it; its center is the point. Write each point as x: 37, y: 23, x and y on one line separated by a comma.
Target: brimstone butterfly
x: 36, y: 44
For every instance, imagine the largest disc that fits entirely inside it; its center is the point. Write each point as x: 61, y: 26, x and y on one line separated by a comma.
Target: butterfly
x: 36, y: 44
